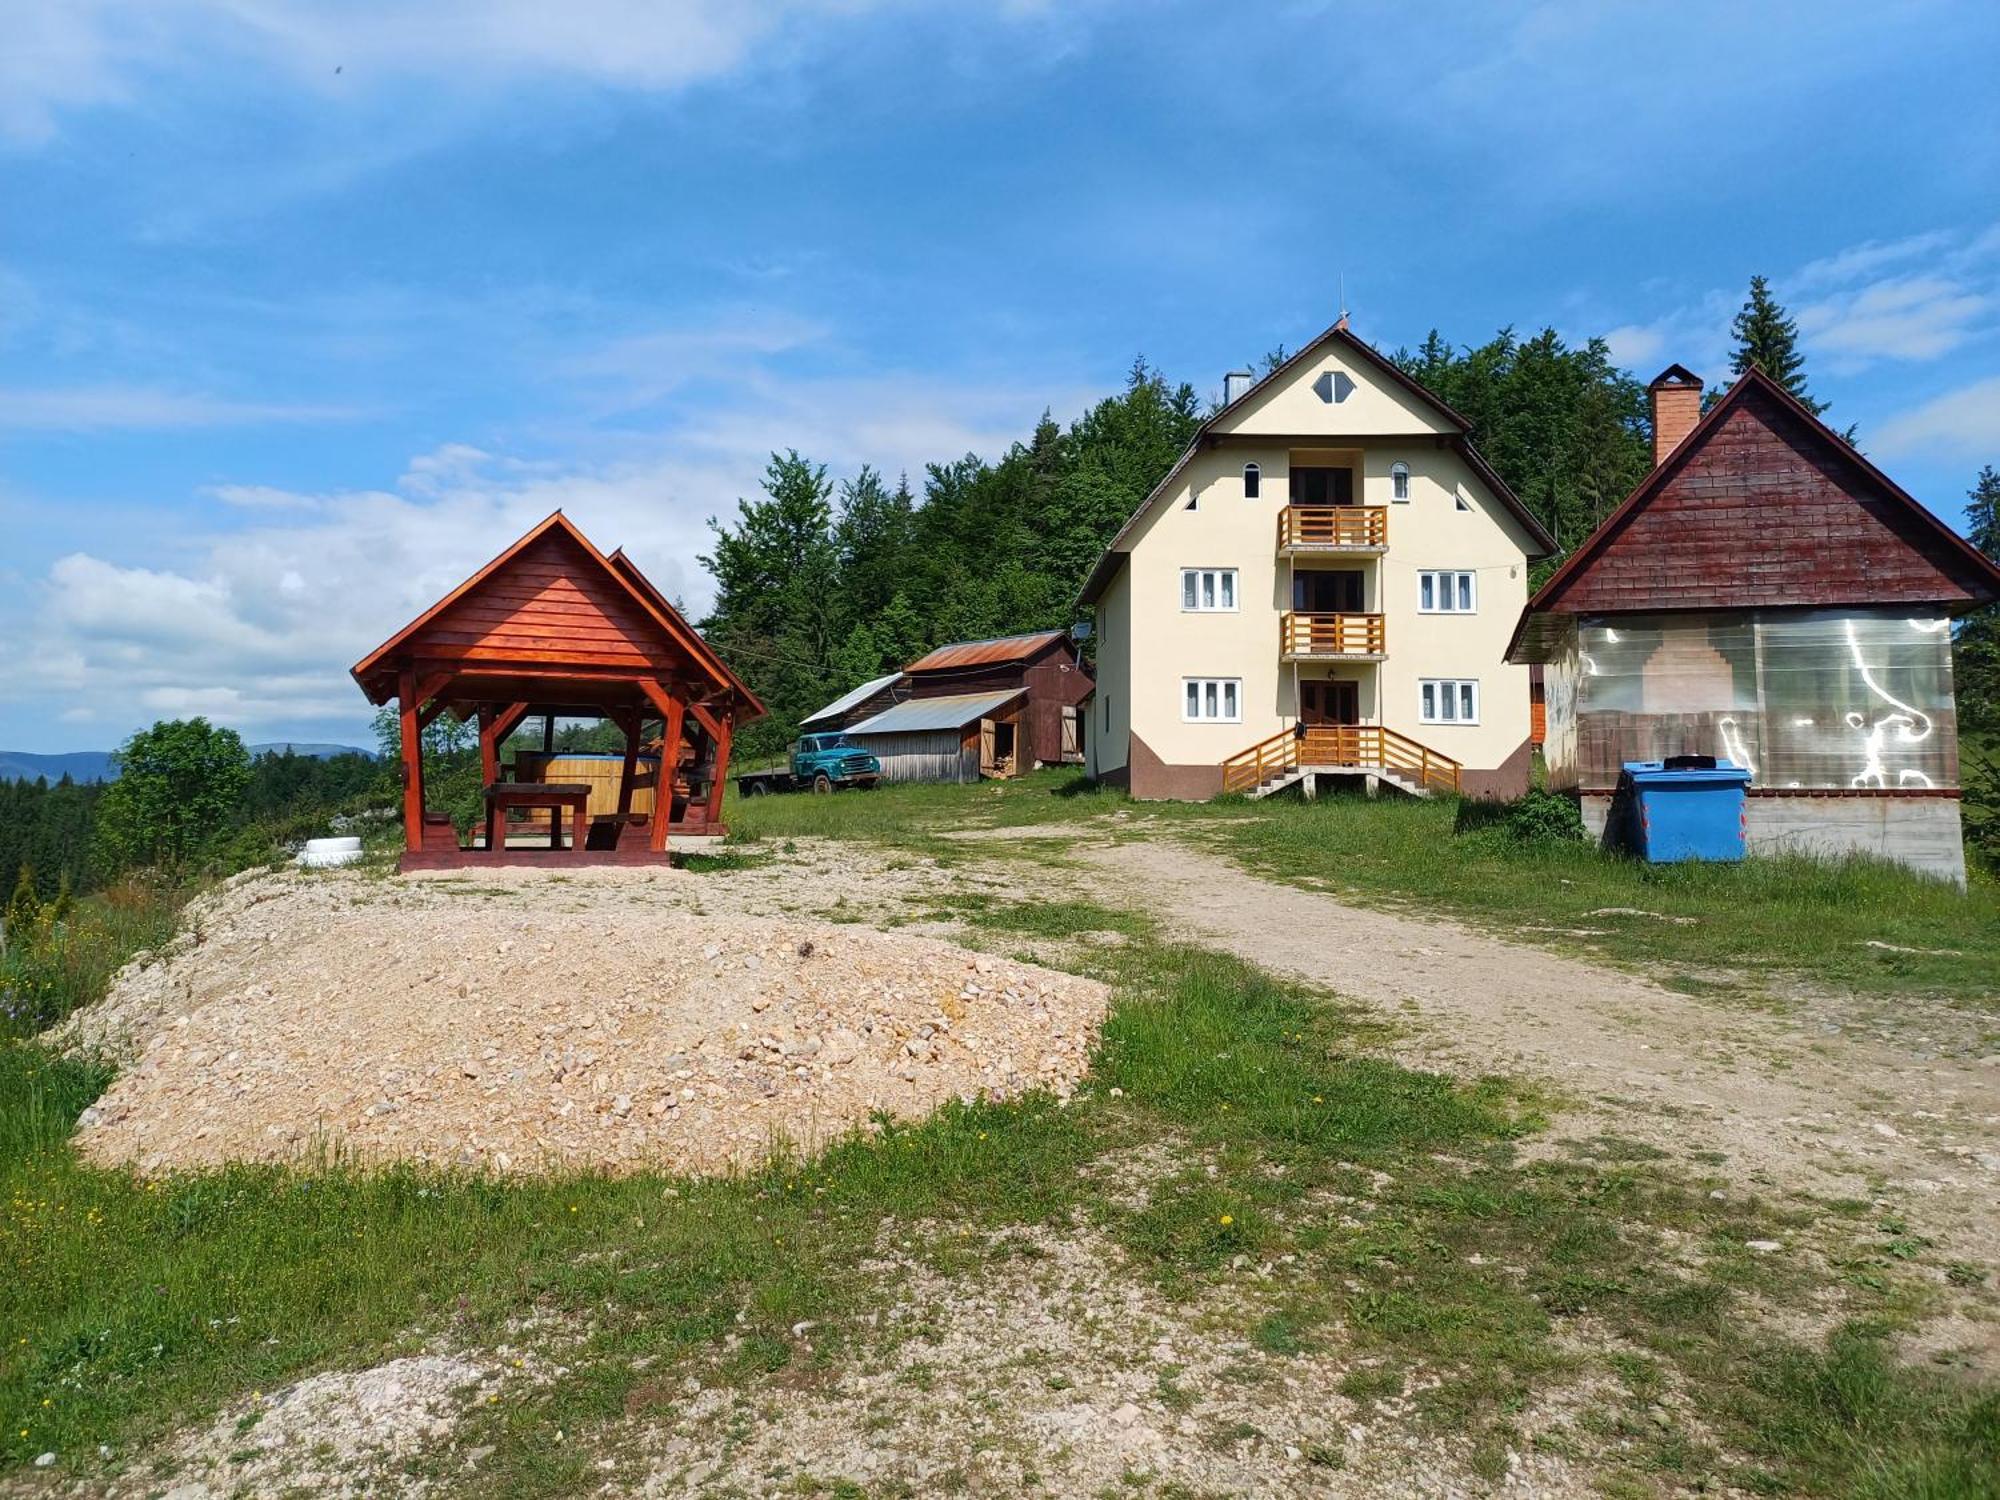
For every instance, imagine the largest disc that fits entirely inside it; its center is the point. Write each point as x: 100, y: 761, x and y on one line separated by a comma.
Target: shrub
x: 1544, y: 818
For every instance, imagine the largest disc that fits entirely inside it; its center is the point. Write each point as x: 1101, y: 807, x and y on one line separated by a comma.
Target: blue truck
x: 820, y: 763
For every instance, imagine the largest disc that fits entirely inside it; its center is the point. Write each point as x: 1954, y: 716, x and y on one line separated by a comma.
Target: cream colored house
x: 1323, y: 586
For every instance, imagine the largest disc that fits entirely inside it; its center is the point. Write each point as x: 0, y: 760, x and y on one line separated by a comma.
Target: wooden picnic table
x: 554, y: 795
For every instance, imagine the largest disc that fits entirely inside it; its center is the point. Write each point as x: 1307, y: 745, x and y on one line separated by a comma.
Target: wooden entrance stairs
x: 1289, y: 758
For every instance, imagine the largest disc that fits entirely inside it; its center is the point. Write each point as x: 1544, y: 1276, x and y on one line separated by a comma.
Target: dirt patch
x: 532, y: 1027
x: 1048, y: 1366
x: 337, y: 1434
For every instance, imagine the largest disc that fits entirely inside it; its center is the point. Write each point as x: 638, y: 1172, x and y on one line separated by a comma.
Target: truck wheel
x: 756, y: 789
x: 822, y: 783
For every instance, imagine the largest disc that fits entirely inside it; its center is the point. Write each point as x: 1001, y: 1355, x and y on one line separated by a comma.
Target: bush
x: 1544, y: 818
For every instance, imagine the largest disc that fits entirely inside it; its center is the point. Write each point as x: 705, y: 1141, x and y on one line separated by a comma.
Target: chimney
x: 1235, y: 383
x: 1676, y: 398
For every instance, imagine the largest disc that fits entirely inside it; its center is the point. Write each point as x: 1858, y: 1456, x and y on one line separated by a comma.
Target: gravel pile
x: 334, y: 1013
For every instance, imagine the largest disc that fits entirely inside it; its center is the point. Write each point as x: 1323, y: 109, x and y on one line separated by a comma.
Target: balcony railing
x: 1339, y: 747
x: 1307, y: 637
x: 1333, y: 528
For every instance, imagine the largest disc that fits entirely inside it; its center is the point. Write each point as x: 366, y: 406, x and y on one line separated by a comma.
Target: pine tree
x: 1976, y: 646
x: 1769, y: 339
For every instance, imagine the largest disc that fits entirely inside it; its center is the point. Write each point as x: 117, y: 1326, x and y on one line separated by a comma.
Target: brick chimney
x: 1676, y: 398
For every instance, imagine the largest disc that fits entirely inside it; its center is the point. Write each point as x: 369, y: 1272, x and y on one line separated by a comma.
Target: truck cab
x: 826, y: 761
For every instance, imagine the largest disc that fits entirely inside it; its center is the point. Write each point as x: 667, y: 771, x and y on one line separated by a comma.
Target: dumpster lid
x: 1687, y: 770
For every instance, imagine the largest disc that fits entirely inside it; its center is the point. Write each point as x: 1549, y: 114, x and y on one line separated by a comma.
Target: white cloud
x: 1911, y: 318
x: 256, y: 621
x: 1912, y: 299
x: 107, y: 408
x: 67, y: 54
x: 1962, y: 423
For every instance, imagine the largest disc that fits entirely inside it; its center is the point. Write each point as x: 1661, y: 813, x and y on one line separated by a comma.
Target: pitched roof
x: 1820, y: 503
x: 376, y: 672
x: 987, y: 653
x: 1364, y: 353
x: 927, y: 715
x: 849, y: 700
x: 720, y: 668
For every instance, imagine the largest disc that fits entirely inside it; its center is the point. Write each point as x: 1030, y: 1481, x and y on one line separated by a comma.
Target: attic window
x: 1399, y: 481
x: 1462, y: 502
x: 1252, y: 478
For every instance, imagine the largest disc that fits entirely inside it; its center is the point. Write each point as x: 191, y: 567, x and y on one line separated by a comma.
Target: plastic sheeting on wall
x: 1812, y: 700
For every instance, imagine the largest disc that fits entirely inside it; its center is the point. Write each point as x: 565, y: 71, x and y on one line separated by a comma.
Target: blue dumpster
x: 1683, y: 807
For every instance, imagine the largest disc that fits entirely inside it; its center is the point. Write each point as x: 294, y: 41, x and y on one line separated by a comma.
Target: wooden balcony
x: 1304, y: 530
x: 1316, y: 637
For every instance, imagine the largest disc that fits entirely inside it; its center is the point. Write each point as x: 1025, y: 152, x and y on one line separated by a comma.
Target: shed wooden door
x: 986, y: 747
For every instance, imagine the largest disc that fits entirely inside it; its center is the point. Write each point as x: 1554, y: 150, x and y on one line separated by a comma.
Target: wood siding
x: 933, y: 755
x: 1766, y: 509
x: 549, y: 605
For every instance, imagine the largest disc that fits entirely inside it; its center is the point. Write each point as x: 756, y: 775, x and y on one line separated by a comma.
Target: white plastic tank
x: 324, y: 854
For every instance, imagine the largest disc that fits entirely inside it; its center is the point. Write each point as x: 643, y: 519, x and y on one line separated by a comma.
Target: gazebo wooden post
x: 718, y: 728
x: 413, y: 762
x: 628, y: 720
x: 671, y: 710
x: 721, y: 769
x: 489, y: 752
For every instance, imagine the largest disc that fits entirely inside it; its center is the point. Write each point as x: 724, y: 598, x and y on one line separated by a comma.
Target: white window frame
x: 1253, y: 482
x: 1399, y: 483
x: 1220, y: 582
x: 1454, y: 584
x: 1209, y: 700
x: 1444, y: 700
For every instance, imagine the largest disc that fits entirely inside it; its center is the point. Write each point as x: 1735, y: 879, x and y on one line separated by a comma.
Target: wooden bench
x: 554, y: 795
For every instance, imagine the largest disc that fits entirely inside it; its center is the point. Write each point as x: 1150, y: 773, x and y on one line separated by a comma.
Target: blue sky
x: 307, y: 309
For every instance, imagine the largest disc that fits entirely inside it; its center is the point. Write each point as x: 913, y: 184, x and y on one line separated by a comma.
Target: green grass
x: 1780, y: 920
x: 1389, y: 1205
x: 51, y: 969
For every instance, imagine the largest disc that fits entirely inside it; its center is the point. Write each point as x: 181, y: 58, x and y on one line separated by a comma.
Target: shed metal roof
x: 987, y: 653
x: 846, y: 701
x: 917, y: 715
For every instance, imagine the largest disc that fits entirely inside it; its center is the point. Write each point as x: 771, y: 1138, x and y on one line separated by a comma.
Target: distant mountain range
x: 95, y: 765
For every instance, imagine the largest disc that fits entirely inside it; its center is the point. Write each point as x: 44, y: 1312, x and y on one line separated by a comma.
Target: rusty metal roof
x: 1004, y: 648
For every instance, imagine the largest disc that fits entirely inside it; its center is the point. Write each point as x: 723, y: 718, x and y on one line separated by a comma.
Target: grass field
x: 1465, y: 1275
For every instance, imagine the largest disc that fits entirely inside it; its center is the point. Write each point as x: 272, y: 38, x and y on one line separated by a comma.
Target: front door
x: 1329, y: 702
x: 1322, y: 486
x: 1331, y: 591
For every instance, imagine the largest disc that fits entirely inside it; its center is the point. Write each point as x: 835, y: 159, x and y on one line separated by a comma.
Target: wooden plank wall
x: 932, y: 756
x: 549, y: 605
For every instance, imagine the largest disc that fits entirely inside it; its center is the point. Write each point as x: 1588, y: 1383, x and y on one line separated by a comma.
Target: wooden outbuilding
x: 1044, y: 667
x: 554, y: 629
x: 1766, y: 596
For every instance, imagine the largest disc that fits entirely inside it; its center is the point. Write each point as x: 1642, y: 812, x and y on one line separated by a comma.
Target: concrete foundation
x: 1921, y: 832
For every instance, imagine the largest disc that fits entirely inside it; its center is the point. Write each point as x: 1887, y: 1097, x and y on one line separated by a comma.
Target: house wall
x: 1108, y: 740
x: 1148, y: 641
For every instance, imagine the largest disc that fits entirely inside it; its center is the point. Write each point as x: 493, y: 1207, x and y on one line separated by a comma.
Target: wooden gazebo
x: 555, y: 629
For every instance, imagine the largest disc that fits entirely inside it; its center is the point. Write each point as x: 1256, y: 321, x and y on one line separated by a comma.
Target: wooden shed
x: 954, y: 737
x: 1769, y: 597
x: 1044, y: 667
x: 553, y: 628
